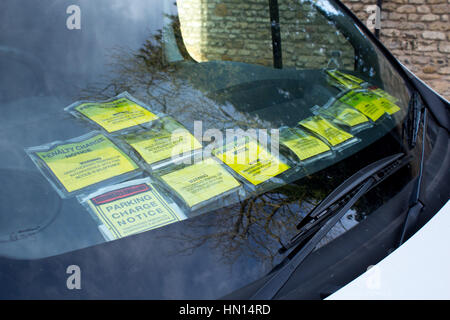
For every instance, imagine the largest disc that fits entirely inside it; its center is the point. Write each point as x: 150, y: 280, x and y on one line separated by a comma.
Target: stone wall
x: 418, y: 33
x: 237, y: 30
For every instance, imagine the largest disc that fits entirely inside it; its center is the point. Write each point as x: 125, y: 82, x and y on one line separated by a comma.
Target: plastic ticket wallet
x: 370, y: 104
x: 80, y: 163
x: 324, y: 129
x: 364, y: 102
x: 166, y: 142
x: 116, y: 114
x: 250, y: 160
x: 201, y: 183
x: 343, y: 115
x: 305, y: 146
x: 344, y: 80
x: 131, y: 207
x: 380, y: 92
x: 350, y: 77
x: 389, y: 107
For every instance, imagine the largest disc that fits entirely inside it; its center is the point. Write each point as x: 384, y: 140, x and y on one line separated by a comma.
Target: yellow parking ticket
x: 303, y: 145
x: 154, y: 147
x: 347, y: 81
x: 132, y: 207
x: 388, y: 106
x: 365, y: 102
x: 326, y: 130
x: 251, y: 160
x: 351, y: 117
x: 200, y: 182
x: 117, y: 114
x: 350, y: 77
x: 383, y: 94
x: 77, y: 165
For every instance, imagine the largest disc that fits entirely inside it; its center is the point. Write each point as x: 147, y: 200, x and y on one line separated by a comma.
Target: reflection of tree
x: 256, y: 227
x: 168, y: 87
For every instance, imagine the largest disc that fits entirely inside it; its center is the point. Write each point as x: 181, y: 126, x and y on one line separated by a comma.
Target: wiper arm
x: 327, y: 214
x: 412, y: 121
x: 278, y: 280
x: 379, y: 170
x: 415, y: 206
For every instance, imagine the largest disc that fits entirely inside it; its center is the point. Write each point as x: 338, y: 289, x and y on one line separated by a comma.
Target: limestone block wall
x: 416, y: 31
x: 418, y: 34
x: 238, y: 30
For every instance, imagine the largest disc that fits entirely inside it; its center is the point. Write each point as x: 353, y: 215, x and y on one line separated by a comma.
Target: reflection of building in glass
x: 241, y: 31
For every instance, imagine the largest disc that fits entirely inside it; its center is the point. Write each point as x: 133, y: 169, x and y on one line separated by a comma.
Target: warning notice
x: 380, y: 92
x: 350, y: 117
x: 346, y: 80
x: 304, y: 146
x: 251, y: 160
x: 349, y: 77
x: 133, y: 209
x: 326, y: 130
x: 370, y: 104
x: 78, y: 165
x: 117, y: 114
x: 157, y: 146
x: 388, y: 106
x: 200, y: 182
x: 366, y: 103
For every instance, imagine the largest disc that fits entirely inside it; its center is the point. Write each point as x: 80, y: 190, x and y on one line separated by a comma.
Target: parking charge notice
x: 133, y: 209
x: 78, y: 165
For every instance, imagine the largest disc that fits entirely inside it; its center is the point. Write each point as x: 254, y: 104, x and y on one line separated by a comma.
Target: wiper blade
x: 412, y: 120
x: 415, y: 206
x: 327, y: 214
x: 278, y: 280
x: 379, y: 170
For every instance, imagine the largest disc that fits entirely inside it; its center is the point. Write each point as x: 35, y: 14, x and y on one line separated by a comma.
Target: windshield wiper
x: 379, y: 171
x: 316, y: 225
x: 415, y: 206
x: 412, y: 121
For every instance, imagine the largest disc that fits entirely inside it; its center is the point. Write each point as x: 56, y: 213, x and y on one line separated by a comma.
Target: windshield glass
x: 199, y: 123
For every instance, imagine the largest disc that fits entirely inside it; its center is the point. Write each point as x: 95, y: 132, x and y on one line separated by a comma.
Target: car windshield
x: 209, y: 127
